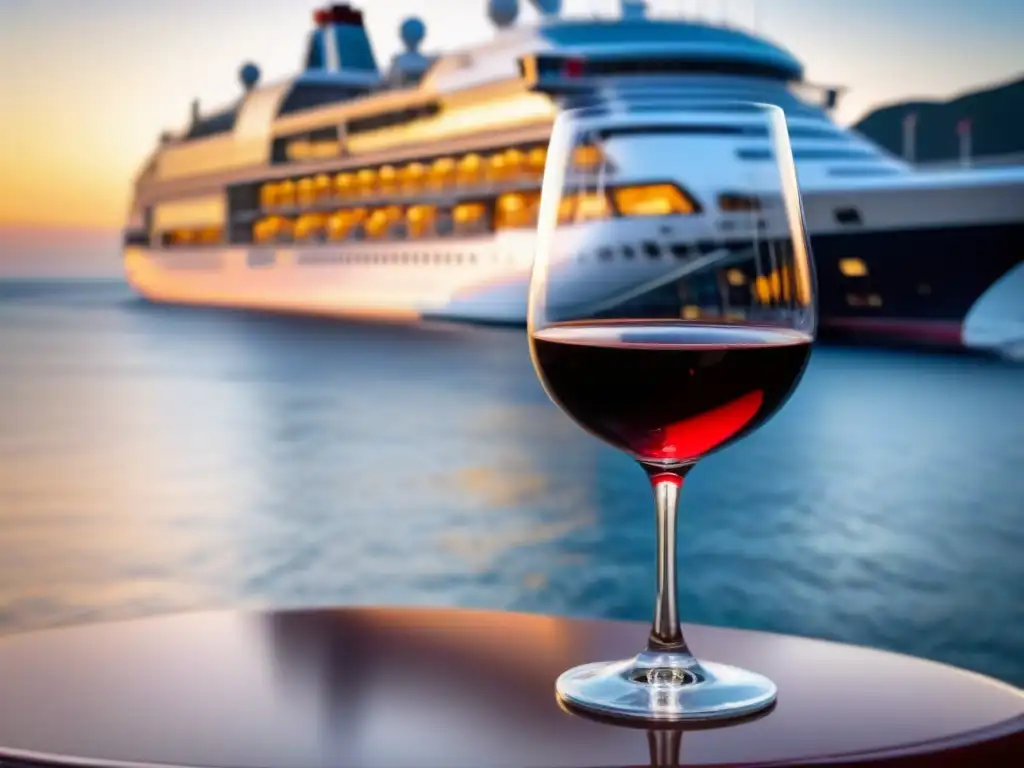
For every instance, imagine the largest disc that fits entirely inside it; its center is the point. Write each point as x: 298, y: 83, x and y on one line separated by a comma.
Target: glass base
x: 665, y: 687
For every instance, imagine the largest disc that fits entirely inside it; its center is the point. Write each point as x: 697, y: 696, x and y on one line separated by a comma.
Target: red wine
x: 669, y: 392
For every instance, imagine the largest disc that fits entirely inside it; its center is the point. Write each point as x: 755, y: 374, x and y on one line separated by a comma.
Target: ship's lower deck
x: 947, y: 286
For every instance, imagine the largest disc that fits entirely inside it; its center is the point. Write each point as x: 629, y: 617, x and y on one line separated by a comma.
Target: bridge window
x: 470, y: 218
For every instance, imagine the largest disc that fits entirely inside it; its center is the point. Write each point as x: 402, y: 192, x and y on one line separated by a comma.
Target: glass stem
x: 666, y: 633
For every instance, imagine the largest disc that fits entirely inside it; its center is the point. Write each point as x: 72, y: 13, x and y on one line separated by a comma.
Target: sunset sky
x: 88, y: 86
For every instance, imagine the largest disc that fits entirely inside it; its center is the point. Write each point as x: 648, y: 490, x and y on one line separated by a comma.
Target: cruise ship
x: 412, y: 193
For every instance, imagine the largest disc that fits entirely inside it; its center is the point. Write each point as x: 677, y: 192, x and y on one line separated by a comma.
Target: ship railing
x: 984, y: 161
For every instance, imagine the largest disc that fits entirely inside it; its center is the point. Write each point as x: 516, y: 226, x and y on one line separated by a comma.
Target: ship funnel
x: 503, y: 13
x: 339, y: 44
x: 547, y: 8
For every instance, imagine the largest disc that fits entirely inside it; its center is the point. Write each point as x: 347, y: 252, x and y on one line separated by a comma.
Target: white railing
x: 987, y: 161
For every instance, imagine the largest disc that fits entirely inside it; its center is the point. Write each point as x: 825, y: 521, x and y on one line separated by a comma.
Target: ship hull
x: 924, y: 286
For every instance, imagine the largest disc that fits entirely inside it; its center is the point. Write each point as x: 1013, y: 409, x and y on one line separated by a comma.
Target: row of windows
x: 185, y: 237
x: 515, y: 210
x: 515, y: 164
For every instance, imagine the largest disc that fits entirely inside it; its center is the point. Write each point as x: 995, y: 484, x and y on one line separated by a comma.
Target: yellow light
x: 366, y: 180
x: 587, y: 156
x: 421, y: 219
x: 536, y: 159
x: 344, y: 184
x: 691, y: 312
x: 387, y: 176
x: 762, y: 289
x: 286, y: 193
x: 305, y: 191
x: 322, y: 185
x: 736, y: 278
x: 653, y: 200
x: 442, y: 171
x: 468, y: 212
x: 411, y: 176
x: 853, y: 267
x: 517, y: 210
x: 592, y: 206
x: 268, y: 195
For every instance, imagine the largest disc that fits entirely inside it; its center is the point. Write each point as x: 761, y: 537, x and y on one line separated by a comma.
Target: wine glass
x: 671, y: 312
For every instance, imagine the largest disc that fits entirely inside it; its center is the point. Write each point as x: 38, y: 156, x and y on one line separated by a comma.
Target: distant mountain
x: 997, y: 124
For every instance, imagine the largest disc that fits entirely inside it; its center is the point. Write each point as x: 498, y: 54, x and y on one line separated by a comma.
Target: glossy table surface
x: 445, y: 688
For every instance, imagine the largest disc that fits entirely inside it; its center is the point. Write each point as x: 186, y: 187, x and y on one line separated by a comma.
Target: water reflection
x: 155, y: 460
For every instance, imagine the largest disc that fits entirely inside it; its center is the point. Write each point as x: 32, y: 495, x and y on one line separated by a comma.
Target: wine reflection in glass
x: 671, y: 313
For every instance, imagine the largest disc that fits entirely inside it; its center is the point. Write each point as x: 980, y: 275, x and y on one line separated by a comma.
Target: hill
x: 997, y: 116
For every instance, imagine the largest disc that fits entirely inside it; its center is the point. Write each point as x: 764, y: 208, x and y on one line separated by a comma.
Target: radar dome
x: 249, y: 74
x: 503, y: 13
x: 548, y: 7
x: 413, y: 31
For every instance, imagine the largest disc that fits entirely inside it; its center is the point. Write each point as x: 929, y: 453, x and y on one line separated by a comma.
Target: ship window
x: 318, y: 144
x: 341, y: 223
x: 345, y: 184
x: 391, y: 119
x: 470, y: 218
x: 311, y: 227
x: 189, y: 237
x: 268, y: 195
x: 421, y: 220
x: 410, y: 177
x: 853, y: 267
x: 469, y: 168
x: 307, y: 95
x: 305, y: 191
x: 272, y: 229
x: 286, y: 193
x: 380, y: 220
x: 517, y: 210
x: 535, y: 161
x: 220, y: 122
x: 442, y: 172
x: 366, y: 181
x: 322, y: 187
x: 386, y: 178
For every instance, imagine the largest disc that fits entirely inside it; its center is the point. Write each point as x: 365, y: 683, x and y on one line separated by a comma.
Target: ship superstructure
x: 411, y: 193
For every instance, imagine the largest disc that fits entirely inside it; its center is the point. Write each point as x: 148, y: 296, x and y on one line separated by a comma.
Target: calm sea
x: 156, y: 459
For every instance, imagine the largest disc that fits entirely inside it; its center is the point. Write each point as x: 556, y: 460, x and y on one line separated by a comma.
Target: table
x: 389, y: 688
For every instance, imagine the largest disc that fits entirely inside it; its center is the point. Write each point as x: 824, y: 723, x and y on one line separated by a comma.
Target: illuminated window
x: 322, y: 187
x: 535, y: 160
x: 341, y: 223
x: 652, y: 200
x: 736, y: 278
x: 411, y: 177
x: 286, y: 193
x: 387, y: 180
x: 421, y: 220
x: 381, y: 219
x: 272, y: 229
x: 305, y: 191
x: 268, y: 195
x: 497, y: 167
x: 366, y: 181
x: 469, y: 169
x: 470, y: 218
x: 311, y: 227
x: 345, y: 185
x: 442, y: 173
x: 517, y: 210
x: 576, y: 209
x: 587, y: 157
x: 853, y: 267
x: 515, y: 162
